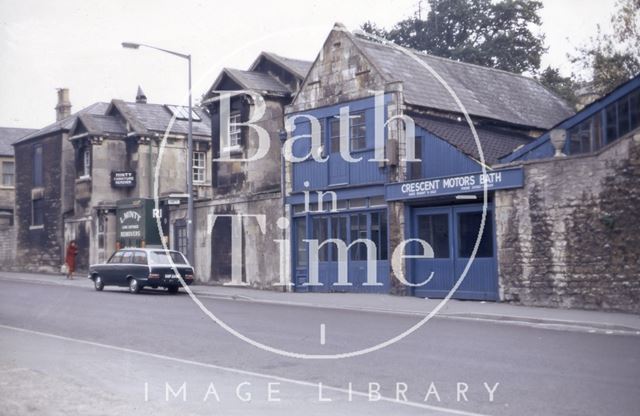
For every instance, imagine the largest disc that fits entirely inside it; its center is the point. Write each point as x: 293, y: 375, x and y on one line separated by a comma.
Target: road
x: 70, y: 350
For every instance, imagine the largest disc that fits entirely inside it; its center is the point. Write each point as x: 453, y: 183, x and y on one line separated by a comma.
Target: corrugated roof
x: 8, y: 136
x: 484, y: 92
x: 495, y: 142
x: 67, y: 123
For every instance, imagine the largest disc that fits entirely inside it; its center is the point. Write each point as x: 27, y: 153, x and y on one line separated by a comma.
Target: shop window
x: 358, y: 132
x: 376, y: 201
x: 358, y: 203
x: 468, y: 228
x: 199, y: 167
x: 379, y: 234
x: 320, y: 233
x: 334, y: 135
x: 338, y: 230
x: 358, y: 231
x: 8, y: 173
x: 302, y: 255
x: 37, y: 165
x: 434, y: 229
x: 37, y: 206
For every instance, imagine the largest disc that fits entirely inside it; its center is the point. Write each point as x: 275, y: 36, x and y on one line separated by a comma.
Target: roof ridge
x: 360, y: 37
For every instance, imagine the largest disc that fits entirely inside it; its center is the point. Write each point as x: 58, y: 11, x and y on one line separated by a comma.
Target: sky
x: 45, y: 45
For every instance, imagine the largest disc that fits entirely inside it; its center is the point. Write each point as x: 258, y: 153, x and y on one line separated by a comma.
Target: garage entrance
x: 452, y: 232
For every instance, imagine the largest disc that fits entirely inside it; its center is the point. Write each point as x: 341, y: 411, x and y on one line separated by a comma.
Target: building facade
x: 73, y: 174
x: 436, y: 196
x: 236, y: 228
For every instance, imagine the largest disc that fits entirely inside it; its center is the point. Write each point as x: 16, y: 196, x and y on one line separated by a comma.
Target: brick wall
x: 571, y: 236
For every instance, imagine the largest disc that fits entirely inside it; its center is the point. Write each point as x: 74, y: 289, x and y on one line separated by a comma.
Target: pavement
x: 550, y: 318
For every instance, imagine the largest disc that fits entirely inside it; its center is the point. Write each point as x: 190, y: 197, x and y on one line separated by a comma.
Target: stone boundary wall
x: 571, y: 236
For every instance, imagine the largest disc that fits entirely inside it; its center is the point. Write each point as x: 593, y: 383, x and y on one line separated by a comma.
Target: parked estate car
x: 142, y: 267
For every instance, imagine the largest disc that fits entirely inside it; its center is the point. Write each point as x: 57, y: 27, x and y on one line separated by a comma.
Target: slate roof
x: 257, y: 81
x: 495, y: 142
x: 145, y: 118
x: 66, y: 123
x: 484, y: 92
x: 298, y: 66
x: 8, y: 136
x: 97, y: 124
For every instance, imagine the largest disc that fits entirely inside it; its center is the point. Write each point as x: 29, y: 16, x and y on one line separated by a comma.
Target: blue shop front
x: 441, y: 203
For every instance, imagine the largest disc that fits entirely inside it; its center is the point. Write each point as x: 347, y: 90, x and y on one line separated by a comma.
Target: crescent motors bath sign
x: 453, y: 185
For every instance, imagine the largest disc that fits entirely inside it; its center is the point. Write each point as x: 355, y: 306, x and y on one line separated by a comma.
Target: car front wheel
x: 98, y: 284
x: 134, y: 286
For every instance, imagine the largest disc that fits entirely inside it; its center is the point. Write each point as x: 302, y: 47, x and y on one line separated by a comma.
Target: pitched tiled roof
x: 484, y: 92
x: 8, y: 136
x: 257, y: 81
x: 155, y: 118
x: 495, y: 142
x: 297, y: 66
x: 66, y: 123
x: 100, y: 124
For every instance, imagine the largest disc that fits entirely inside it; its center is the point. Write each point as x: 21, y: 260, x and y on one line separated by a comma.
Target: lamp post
x: 190, y: 233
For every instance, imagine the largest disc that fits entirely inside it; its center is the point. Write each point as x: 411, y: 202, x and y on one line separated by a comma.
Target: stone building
x: 386, y: 197
x: 72, y: 174
x: 570, y: 237
x: 244, y: 187
x: 8, y: 136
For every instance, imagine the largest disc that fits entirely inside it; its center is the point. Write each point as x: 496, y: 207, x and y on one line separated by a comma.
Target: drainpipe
x: 283, y: 139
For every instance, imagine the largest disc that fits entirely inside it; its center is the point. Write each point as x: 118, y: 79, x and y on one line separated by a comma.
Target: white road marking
x: 242, y: 372
x: 322, y: 334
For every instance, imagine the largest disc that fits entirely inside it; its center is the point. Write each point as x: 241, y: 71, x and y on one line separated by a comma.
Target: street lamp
x: 190, y: 233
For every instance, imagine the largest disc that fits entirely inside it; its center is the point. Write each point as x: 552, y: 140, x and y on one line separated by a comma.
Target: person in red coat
x: 70, y: 258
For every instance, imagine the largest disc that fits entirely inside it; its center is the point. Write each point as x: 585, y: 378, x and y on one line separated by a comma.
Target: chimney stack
x: 141, y: 98
x: 63, y: 109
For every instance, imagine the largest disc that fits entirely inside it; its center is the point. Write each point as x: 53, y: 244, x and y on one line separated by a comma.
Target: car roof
x: 145, y: 249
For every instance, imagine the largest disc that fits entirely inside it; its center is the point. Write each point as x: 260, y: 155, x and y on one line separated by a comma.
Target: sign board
x: 123, y: 179
x: 130, y: 223
x: 454, y: 185
x: 173, y: 202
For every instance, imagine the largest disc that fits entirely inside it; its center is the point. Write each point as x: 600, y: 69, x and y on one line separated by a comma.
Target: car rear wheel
x: 173, y: 289
x: 98, y: 284
x: 134, y: 286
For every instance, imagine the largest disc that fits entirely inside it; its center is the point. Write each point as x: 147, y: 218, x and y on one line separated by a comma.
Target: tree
x: 483, y: 32
x: 612, y: 58
x: 563, y: 87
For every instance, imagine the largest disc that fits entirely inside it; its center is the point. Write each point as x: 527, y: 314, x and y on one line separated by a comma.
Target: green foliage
x: 483, y: 32
x: 563, y: 87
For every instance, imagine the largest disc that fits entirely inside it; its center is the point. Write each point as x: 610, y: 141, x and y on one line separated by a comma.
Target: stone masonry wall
x: 7, y: 246
x: 571, y: 236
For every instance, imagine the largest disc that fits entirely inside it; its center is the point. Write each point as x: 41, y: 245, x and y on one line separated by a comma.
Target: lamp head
x: 130, y: 45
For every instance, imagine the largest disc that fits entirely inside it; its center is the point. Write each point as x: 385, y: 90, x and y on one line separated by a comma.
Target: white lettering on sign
x: 128, y: 215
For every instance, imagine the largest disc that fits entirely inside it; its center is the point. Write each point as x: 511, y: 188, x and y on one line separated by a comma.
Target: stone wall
x: 7, y: 246
x: 571, y: 236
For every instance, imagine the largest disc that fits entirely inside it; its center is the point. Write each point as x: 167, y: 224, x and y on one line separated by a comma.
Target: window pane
x: 301, y: 246
x: 634, y: 103
x: 415, y: 168
x: 382, y: 248
x: 612, y: 123
x: 623, y: 116
x: 334, y: 129
x: 116, y: 258
x: 434, y: 229
x: 38, y: 211
x: 127, y: 257
x: 8, y: 169
x: 320, y: 234
x: 37, y: 165
x: 580, y: 138
x: 140, y: 257
x: 468, y: 228
x: 358, y: 231
x: 358, y: 132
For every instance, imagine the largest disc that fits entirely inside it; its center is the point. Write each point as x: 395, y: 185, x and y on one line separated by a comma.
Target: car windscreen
x: 161, y: 257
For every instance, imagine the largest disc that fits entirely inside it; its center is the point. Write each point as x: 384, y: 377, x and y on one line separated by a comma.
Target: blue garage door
x: 452, y: 233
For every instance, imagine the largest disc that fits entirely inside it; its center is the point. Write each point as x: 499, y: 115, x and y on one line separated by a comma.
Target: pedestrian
x: 70, y: 258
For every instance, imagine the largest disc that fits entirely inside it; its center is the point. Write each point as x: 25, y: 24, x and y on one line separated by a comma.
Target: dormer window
x: 83, y: 163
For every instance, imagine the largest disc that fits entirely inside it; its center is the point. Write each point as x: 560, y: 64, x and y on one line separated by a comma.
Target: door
x: 338, y: 167
x: 452, y: 233
x: 433, y: 225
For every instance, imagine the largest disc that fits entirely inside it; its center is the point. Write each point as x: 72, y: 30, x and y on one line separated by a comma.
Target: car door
x: 109, y: 270
x: 124, y: 269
